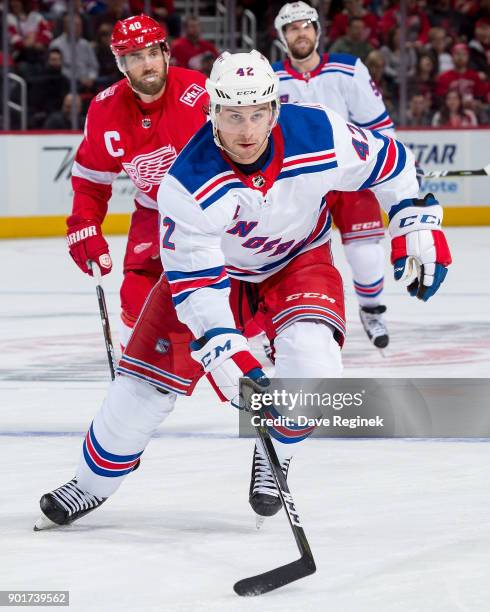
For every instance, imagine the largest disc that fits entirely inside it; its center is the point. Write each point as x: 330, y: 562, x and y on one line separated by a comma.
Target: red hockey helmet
x: 136, y: 33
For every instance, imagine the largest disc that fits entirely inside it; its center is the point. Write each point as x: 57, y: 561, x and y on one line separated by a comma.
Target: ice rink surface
x: 395, y: 525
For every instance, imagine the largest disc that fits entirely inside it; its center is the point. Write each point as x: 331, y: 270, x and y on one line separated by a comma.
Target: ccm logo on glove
x: 208, y: 358
x: 226, y: 357
x: 423, y: 219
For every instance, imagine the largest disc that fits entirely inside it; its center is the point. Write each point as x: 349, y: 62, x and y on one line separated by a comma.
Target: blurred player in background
x: 341, y: 82
x: 245, y: 235
x: 138, y: 125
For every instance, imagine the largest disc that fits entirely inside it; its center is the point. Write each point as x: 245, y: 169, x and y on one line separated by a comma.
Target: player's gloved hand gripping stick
x: 86, y: 243
x: 225, y: 356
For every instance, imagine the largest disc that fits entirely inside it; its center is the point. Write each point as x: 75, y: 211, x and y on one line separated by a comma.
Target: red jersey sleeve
x: 94, y: 169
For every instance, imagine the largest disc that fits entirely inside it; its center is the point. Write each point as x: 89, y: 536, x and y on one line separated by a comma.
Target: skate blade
x: 259, y: 521
x: 44, y: 523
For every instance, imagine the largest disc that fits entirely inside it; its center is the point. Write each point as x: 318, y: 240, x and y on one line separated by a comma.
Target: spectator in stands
x: 480, y: 49
x: 392, y: 55
x: 108, y: 71
x: 161, y: 10
x: 468, y: 13
x: 354, y: 8
x: 437, y: 49
x: 86, y: 67
x: 418, y: 114
x: 47, y: 90
x: 423, y: 80
x: 452, y: 113
x: 80, y: 9
x: 207, y: 62
x: 482, y: 11
x: 188, y: 51
x: 113, y: 11
x: 353, y: 42
x: 61, y: 120
x: 466, y: 81
x: 29, y: 33
x: 443, y: 15
x: 375, y: 63
x: 418, y: 24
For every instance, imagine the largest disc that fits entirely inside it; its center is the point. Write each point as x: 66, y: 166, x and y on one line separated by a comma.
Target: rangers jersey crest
x: 148, y: 169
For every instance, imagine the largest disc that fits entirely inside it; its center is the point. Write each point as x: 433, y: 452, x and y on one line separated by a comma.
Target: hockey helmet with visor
x: 292, y: 12
x: 242, y: 80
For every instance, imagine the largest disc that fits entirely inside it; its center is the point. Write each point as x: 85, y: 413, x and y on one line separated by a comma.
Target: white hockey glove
x: 225, y: 356
x: 417, y: 241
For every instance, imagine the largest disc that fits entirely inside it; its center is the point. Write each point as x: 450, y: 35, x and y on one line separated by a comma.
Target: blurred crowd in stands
x: 447, y: 52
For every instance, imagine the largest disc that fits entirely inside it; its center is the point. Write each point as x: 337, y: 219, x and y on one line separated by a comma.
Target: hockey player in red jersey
x: 139, y: 125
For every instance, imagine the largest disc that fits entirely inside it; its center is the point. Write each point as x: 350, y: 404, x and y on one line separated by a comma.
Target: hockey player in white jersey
x: 245, y: 234
x: 341, y: 82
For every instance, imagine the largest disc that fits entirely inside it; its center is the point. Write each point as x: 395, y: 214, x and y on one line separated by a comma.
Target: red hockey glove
x: 85, y: 241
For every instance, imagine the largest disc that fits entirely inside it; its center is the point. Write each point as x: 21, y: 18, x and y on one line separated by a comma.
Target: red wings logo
x: 148, y: 169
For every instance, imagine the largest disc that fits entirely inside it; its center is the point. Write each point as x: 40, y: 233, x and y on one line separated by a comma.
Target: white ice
x: 395, y: 525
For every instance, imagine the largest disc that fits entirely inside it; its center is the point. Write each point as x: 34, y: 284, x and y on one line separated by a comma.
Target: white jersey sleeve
x: 370, y: 160
x: 193, y: 260
x: 366, y: 106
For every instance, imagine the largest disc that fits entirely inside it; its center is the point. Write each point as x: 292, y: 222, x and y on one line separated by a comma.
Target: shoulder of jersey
x: 277, y: 66
x: 200, y: 163
x: 308, y: 135
x: 186, y: 75
x: 110, y: 96
x: 342, y: 63
x: 190, y: 84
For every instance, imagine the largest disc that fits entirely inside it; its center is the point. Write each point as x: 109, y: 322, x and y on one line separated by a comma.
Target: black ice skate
x: 263, y: 496
x: 65, y: 505
x: 373, y: 322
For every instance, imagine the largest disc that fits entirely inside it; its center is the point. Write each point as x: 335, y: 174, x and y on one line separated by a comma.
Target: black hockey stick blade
x: 276, y: 578
x: 305, y: 565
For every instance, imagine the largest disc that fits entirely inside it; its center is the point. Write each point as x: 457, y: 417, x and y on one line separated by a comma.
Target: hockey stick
x: 305, y: 565
x: 443, y: 173
x: 106, y: 329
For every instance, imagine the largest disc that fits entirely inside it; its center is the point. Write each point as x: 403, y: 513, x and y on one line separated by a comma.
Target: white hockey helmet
x: 295, y: 11
x: 242, y: 79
